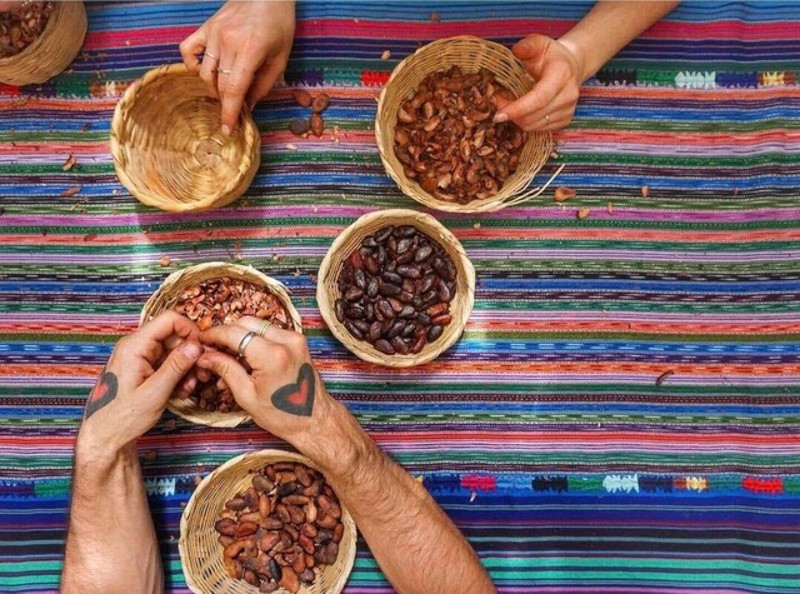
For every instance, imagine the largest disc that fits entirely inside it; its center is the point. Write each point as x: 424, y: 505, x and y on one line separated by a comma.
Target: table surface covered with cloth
x: 622, y: 412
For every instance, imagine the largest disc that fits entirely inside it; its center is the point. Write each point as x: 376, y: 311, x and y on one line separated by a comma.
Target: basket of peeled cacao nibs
x: 210, y: 295
x: 436, y: 132
x: 38, y: 40
x: 266, y: 521
x: 396, y: 288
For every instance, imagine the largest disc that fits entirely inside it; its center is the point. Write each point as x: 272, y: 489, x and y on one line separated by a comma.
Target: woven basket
x: 350, y: 239
x: 168, y: 147
x: 201, y: 554
x: 470, y: 54
x: 167, y: 295
x: 52, y: 51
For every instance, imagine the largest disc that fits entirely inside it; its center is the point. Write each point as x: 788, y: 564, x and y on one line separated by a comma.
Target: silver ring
x: 547, y: 118
x: 262, y: 329
x: 210, y: 55
x: 224, y: 70
x: 245, y: 341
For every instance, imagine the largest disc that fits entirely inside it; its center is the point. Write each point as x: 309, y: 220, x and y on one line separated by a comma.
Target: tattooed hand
x: 283, y: 392
x: 139, y: 378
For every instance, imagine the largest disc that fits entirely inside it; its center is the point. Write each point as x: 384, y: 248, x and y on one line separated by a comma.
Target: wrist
x: 574, y: 47
x: 100, y: 452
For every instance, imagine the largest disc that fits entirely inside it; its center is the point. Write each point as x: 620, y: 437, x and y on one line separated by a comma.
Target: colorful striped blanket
x: 623, y: 411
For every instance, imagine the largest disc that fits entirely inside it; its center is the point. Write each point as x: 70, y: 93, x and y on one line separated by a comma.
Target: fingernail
x: 226, y: 130
x: 191, y: 350
x: 203, y: 364
x: 500, y: 117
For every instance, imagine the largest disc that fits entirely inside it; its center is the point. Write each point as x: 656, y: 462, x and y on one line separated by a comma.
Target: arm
x: 245, y: 48
x: 561, y: 66
x: 111, y: 542
x: 416, y: 545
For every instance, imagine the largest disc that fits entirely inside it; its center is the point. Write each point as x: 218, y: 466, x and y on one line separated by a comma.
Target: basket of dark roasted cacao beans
x: 38, y: 40
x: 266, y: 521
x: 212, y: 294
x: 396, y: 288
x: 435, y: 131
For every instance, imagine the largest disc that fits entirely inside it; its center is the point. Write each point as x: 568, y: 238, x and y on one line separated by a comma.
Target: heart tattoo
x: 298, y: 398
x: 104, y: 391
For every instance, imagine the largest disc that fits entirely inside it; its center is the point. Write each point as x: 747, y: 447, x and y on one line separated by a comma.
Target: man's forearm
x: 417, y: 546
x: 111, y: 542
x: 609, y: 27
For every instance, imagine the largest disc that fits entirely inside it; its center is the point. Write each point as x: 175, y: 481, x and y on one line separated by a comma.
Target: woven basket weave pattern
x: 52, y: 51
x: 470, y: 54
x: 201, y: 553
x: 168, y: 147
x: 167, y: 295
x: 350, y: 240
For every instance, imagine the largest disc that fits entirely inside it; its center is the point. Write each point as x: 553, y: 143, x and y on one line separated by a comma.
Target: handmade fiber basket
x: 350, y: 240
x: 169, y: 150
x: 167, y: 295
x: 201, y: 554
x: 470, y: 54
x: 54, y: 50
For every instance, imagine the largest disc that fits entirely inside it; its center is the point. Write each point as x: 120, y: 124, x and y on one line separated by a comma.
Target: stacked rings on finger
x: 262, y: 329
x: 246, y: 339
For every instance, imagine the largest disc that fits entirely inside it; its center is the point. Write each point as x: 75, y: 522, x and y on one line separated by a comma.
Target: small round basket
x: 167, y: 295
x: 201, y: 554
x: 52, y: 51
x: 168, y: 147
x: 470, y: 54
x: 350, y: 239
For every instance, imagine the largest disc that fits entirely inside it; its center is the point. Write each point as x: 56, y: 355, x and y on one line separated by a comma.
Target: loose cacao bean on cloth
x: 223, y: 301
x: 446, y: 139
x: 22, y: 25
x: 395, y: 290
x: 283, y: 529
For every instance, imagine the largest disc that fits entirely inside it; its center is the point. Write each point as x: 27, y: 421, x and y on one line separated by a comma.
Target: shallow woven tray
x: 168, y: 294
x: 52, y: 51
x: 168, y: 148
x: 350, y: 239
x: 470, y: 54
x: 201, y: 553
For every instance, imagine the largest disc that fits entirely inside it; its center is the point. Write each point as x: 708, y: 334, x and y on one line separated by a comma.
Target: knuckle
x: 282, y: 356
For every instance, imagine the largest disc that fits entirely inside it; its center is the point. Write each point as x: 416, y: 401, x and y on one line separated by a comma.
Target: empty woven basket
x: 470, y: 54
x: 167, y: 295
x: 168, y: 147
x: 201, y: 554
x: 52, y: 51
x: 350, y: 240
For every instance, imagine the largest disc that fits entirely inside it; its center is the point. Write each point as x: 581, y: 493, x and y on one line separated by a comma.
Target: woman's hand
x: 559, y: 73
x: 245, y: 48
x: 138, y: 380
x: 283, y: 392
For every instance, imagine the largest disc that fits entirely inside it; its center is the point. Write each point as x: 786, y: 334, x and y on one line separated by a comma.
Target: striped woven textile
x: 622, y: 413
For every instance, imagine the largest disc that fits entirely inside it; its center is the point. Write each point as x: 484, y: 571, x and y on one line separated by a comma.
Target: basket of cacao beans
x: 168, y: 147
x: 435, y: 131
x: 212, y: 294
x: 266, y: 521
x: 396, y: 288
x: 38, y: 40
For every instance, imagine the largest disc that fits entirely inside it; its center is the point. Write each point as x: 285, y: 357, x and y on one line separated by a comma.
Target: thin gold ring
x: 224, y: 70
x: 547, y: 118
x: 263, y: 327
x: 246, y: 339
x: 210, y: 55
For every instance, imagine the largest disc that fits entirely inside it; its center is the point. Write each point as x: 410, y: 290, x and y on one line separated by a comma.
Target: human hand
x: 138, y: 380
x: 283, y: 392
x: 559, y: 71
x: 246, y: 47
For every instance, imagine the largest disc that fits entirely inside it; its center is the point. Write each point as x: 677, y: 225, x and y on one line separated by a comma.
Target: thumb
x: 174, y: 367
x: 532, y: 49
x: 232, y: 372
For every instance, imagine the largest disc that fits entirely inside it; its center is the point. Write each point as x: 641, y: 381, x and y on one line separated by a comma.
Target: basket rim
x: 48, y: 30
x: 494, y: 203
x: 251, y: 138
x: 235, y: 461
x: 365, y: 351
x: 231, y: 419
